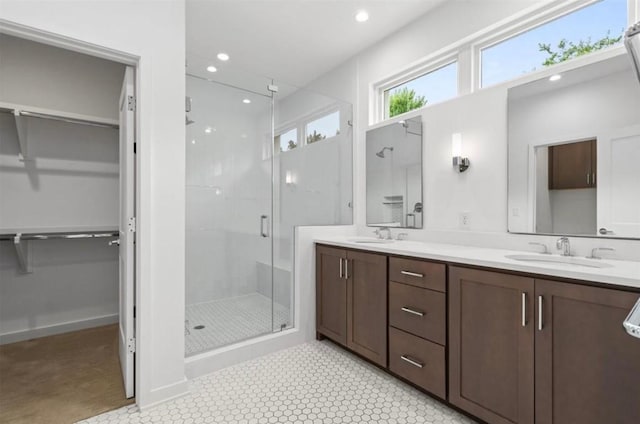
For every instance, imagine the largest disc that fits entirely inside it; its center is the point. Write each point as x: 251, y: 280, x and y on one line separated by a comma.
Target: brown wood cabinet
x: 418, y: 323
x: 351, y: 300
x: 520, y: 349
x: 573, y: 165
x: 331, y: 293
x: 587, y: 366
x: 491, y: 356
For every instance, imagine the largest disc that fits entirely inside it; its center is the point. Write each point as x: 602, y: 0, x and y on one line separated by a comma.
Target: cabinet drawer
x: 418, y: 311
x: 417, y: 273
x: 418, y: 360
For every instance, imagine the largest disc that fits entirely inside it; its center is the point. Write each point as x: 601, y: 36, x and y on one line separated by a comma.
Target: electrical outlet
x: 464, y: 220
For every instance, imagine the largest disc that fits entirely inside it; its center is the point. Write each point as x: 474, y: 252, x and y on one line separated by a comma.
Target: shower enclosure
x: 259, y: 163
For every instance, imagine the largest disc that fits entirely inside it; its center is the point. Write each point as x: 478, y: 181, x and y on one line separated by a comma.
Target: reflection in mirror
x: 394, y: 175
x: 574, y: 146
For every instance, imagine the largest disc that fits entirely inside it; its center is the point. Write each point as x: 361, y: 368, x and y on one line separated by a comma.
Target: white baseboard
x: 163, y: 394
x: 50, y: 330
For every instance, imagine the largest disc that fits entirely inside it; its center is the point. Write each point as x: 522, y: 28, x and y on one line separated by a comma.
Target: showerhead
x: 380, y: 154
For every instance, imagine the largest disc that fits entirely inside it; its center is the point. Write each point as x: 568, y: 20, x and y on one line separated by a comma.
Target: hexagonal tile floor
x: 313, y: 383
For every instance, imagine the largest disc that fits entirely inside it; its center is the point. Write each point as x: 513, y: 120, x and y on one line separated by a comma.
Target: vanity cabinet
x: 572, y: 165
x: 351, y: 300
x: 587, y: 366
x: 514, y: 339
x: 491, y: 339
x: 418, y: 323
x: 516, y: 348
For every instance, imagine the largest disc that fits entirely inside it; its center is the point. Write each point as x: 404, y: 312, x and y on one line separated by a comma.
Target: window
x: 435, y: 86
x: 326, y: 126
x: 286, y: 141
x: 591, y: 28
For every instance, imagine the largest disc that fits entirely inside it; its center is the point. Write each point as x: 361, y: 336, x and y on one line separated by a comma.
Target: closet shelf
x: 58, y: 235
x: 20, y: 112
x: 21, y: 242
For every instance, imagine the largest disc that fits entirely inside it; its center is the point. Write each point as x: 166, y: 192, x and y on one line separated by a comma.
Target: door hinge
x: 135, y: 145
x: 131, y: 345
x: 132, y: 224
x: 131, y: 103
x: 134, y: 311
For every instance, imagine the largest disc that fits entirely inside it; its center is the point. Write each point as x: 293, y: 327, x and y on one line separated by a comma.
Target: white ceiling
x: 291, y: 41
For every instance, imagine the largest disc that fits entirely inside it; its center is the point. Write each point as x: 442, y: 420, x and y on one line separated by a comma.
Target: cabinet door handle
x: 346, y: 269
x: 412, y: 361
x: 588, y: 179
x: 540, y: 309
x: 341, y: 269
x: 524, y: 309
x: 412, y: 311
x: 412, y: 274
x: 593, y: 178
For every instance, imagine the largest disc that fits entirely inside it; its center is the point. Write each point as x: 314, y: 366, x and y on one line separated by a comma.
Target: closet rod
x: 73, y: 236
x: 66, y: 119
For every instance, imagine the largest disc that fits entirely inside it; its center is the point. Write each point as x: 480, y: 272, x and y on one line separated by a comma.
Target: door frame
x: 126, y: 59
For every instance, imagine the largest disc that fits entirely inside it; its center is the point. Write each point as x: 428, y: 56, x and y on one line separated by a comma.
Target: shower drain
x: 198, y: 327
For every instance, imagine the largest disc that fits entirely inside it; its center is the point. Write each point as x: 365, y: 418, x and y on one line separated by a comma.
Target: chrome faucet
x: 564, y: 244
x: 595, y: 250
x: 380, y: 230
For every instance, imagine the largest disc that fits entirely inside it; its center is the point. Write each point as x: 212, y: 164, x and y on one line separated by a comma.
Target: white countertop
x: 621, y: 273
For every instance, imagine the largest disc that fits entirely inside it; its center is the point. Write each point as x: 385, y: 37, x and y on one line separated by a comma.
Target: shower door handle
x: 264, y: 225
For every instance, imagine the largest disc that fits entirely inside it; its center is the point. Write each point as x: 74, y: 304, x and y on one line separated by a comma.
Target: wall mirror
x: 574, y: 153
x: 394, y: 175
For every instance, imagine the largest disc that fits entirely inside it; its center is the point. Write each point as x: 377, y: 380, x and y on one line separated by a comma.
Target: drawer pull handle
x: 412, y: 274
x: 412, y: 311
x: 412, y: 361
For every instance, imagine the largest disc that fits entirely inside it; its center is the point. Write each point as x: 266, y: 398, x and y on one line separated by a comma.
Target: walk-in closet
x: 67, y: 233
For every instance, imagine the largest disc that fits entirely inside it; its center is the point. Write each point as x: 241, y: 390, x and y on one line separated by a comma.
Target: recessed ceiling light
x: 193, y: 141
x: 555, y: 77
x: 246, y: 101
x: 211, y: 68
x: 223, y: 56
x: 208, y: 130
x: 362, y: 16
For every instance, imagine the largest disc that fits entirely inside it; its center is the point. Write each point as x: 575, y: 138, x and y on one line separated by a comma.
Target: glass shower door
x: 229, y: 215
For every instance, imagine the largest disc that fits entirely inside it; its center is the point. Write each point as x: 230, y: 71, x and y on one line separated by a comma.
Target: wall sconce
x: 289, y: 178
x: 461, y: 164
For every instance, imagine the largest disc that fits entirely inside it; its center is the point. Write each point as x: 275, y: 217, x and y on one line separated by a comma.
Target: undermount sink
x: 566, y: 260
x: 372, y: 240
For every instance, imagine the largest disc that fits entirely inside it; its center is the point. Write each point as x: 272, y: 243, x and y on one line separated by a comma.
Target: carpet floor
x: 61, y: 379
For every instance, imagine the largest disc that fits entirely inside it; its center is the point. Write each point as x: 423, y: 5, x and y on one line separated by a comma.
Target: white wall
x: 155, y: 33
x: 481, y: 117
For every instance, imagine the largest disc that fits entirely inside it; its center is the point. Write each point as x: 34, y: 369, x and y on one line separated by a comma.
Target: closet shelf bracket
x: 22, y: 253
x: 21, y: 129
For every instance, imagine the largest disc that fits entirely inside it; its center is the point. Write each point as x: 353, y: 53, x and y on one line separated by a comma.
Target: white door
x: 127, y: 230
x: 618, y: 182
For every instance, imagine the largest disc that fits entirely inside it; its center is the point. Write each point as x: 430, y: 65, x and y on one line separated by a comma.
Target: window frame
x: 300, y: 125
x: 520, y: 27
x: 283, y: 130
x: 317, y: 115
x: 425, y: 67
x: 467, y: 52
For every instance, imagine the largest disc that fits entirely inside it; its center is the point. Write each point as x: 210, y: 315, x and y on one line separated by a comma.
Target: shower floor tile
x: 315, y: 382
x: 231, y: 320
